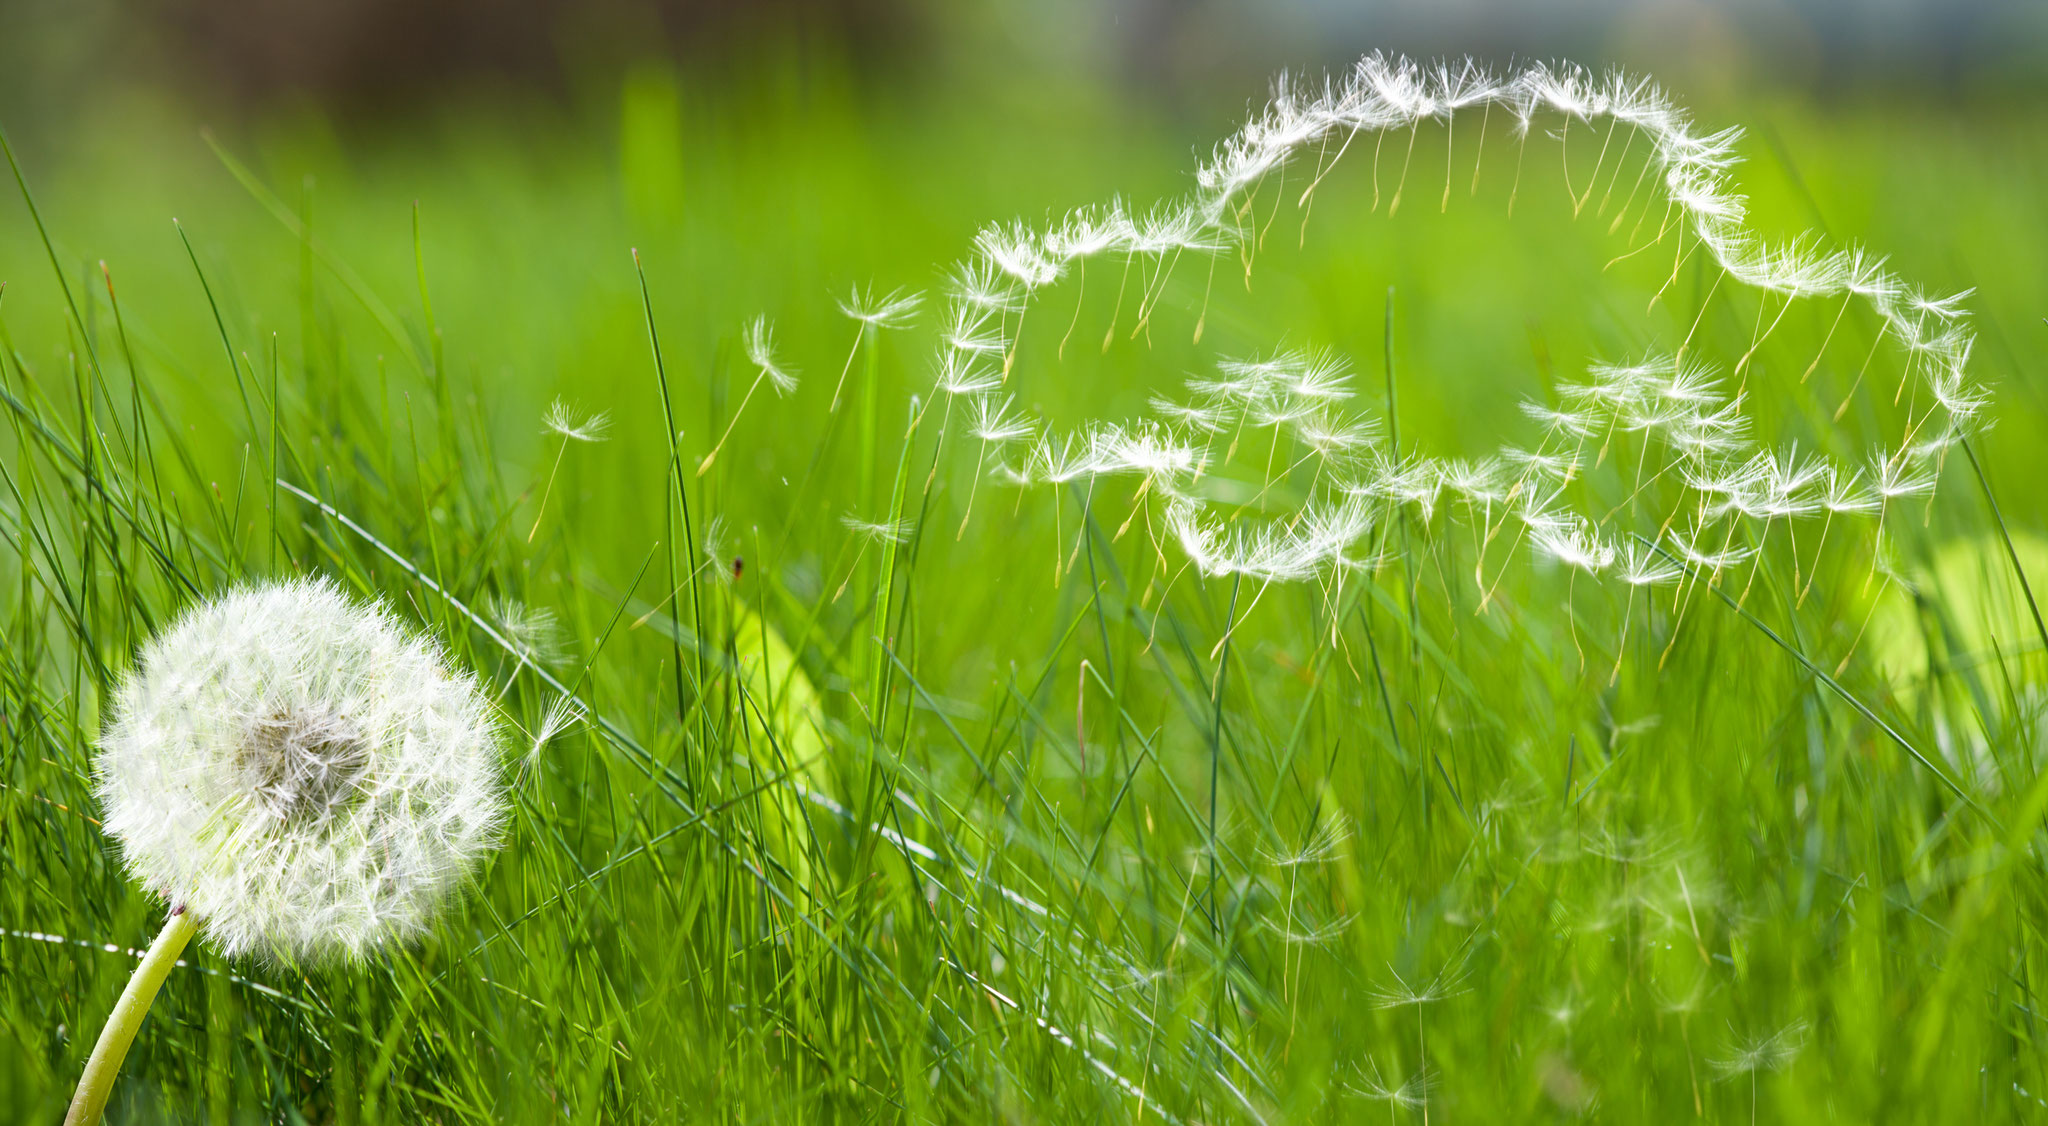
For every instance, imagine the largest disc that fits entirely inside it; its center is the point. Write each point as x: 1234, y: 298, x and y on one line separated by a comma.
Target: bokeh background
x: 765, y: 155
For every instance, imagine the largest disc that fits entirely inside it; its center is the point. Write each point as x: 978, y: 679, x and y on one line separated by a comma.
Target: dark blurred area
x: 376, y: 55
x: 367, y: 59
x: 372, y: 58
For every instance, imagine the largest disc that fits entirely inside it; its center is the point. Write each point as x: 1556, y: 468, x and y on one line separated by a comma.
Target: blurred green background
x: 763, y: 158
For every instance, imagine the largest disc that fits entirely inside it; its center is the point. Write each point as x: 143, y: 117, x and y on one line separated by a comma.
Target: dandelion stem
x: 704, y: 466
x: 545, y: 492
x: 98, y: 1081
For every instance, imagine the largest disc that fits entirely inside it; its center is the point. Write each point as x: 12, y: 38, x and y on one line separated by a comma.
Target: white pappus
x: 300, y: 771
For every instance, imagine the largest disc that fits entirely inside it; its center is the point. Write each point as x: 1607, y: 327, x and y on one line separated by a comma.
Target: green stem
x: 98, y: 1081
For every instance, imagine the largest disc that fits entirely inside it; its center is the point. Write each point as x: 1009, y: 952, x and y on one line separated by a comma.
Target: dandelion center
x: 303, y: 763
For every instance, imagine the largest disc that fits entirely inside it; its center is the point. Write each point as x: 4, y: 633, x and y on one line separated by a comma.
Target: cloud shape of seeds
x: 1678, y: 405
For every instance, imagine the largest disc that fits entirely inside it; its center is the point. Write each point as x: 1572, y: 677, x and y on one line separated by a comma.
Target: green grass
x: 1078, y: 831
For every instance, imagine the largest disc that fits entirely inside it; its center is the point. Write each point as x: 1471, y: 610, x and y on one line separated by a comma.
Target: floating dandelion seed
x: 560, y: 421
x: 758, y: 342
x: 1408, y: 1094
x: 958, y: 375
x: 562, y: 714
x: 298, y: 773
x: 1642, y: 566
x: 533, y: 631
x: 718, y: 551
x: 878, y: 532
x: 1752, y: 1056
x: 1322, y: 846
x: 894, y: 309
x: 993, y: 422
x: 1767, y: 1052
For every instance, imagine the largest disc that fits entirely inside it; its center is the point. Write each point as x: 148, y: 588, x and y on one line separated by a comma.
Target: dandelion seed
x: 1756, y: 1055
x: 958, y: 375
x: 1330, y: 438
x: 1574, y: 546
x: 1416, y: 481
x: 1314, y: 936
x: 1144, y: 450
x: 1208, y: 420
x: 758, y: 342
x: 896, y: 533
x: 1642, y: 566
x: 1571, y: 422
x: 1899, y: 477
x: 1437, y: 989
x: 1091, y: 231
x: 532, y: 630
x: 993, y: 423
x: 1317, y: 375
x: 976, y: 284
x: 1323, y: 846
x: 1408, y: 1094
x: 560, y: 716
x: 1017, y: 251
x: 1961, y: 400
x: 1557, y: 467
x: 1848, y: 495
x: 894, y: 309
x: 560, y: 421
x: 1690, y: 547
x: 717, y: 550
x: 1692, y: 385
x: 974, y: 329
x: 1946, y: 308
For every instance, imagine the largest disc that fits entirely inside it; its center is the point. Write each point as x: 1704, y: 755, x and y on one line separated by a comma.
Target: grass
x: 996, y: 821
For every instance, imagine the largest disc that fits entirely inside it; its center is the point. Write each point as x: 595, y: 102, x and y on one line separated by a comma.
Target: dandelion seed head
x: 301, y: 771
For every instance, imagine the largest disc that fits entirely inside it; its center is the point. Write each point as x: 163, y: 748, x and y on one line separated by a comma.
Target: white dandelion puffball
x: 301, y: 771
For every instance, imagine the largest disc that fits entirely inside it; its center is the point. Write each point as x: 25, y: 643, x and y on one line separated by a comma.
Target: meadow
x: 875, y: 760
